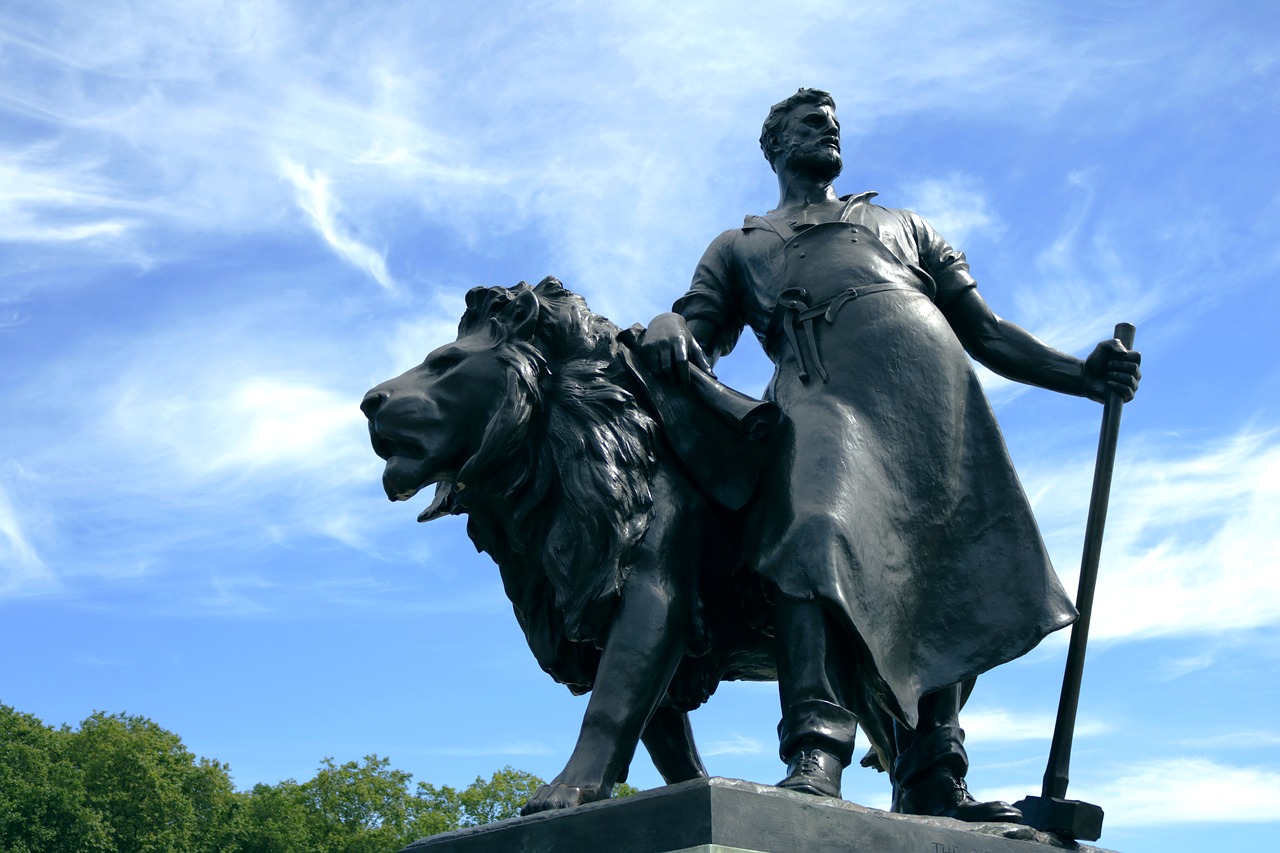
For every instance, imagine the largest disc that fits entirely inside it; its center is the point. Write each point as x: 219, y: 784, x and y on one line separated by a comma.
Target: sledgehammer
x: 1051, y: 811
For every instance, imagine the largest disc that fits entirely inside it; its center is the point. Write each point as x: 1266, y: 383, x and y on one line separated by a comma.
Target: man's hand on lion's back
x: 669, y: 347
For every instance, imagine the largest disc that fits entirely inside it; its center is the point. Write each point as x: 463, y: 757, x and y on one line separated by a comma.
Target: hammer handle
x: 1057, y: 774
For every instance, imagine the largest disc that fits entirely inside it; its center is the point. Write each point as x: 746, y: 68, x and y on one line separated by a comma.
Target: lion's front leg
x: 646, y: 642
x: 643, y: 649
x: 558, y: 795
x: 670, y: 745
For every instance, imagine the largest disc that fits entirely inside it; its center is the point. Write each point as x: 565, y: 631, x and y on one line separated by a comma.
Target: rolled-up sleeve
x: 711, y: 298
x: 948, y: 266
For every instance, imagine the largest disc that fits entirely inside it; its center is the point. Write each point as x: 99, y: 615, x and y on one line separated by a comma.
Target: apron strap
x: 774, y: 223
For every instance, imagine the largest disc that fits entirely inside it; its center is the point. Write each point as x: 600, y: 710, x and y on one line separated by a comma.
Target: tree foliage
x: 153, y: 794
x: 482, y: 801
x: 361, y: 808
x: 43, y: 802
x: 122, y: 784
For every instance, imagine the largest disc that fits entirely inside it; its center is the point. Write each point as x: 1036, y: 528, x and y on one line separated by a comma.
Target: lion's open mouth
x: 406, y: 472
x: 403, y: 477
x: 384, y: 447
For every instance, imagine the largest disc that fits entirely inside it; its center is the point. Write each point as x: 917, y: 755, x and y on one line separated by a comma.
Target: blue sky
x: 220, y: 223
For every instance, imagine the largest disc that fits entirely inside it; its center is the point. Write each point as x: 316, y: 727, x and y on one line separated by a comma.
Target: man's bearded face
x: 812, y: 142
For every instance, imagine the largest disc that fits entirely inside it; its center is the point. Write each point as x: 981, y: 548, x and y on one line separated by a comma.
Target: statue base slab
x: 730, y: 816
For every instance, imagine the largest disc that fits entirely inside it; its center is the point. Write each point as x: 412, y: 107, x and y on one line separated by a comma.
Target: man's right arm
x: 671, y: 344
x: 703, y: 324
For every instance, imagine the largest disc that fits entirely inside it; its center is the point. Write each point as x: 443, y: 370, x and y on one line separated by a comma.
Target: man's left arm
x: 1016, y: 354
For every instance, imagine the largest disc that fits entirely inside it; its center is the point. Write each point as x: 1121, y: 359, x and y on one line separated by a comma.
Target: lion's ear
x: 521, y: 316
x: 549, y: 286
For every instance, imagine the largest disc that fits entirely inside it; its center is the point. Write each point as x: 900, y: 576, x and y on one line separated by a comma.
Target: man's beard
x: 820, y: 161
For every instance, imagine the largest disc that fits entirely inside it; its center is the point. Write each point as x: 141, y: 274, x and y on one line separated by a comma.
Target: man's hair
x: 771, y: 133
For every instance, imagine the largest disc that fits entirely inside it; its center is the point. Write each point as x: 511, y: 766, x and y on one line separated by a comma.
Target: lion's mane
x: 560, y: 492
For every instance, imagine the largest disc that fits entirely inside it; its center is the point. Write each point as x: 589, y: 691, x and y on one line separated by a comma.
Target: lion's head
x: 527, y: 425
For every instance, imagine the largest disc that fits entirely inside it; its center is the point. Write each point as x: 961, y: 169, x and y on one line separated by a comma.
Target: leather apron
x: 891, y: 498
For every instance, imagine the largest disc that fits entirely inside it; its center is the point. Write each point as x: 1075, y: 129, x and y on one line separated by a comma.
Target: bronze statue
x: 617, y: 548
x: 893, y: 534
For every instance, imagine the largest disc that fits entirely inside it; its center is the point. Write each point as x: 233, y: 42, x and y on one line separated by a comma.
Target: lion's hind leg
x: 669, y: 740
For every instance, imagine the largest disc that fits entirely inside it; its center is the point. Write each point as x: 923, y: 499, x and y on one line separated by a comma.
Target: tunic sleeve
x: 949, y: 267
x: 712, y: 299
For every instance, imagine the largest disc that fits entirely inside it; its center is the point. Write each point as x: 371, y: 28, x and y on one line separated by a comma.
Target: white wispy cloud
x: 1173, y: 791
x: 1244, y: 740
x: 1078, y: 284
x: 409, y: 340
x: 955, y: 206
x: 1192, y: 543
x: 22, y: 569
x: 992, y: 725
x: 65, y: 207
x: 1084, y: 285
x: 211, y: 427
x: 178, y: 118
x: 277, y: 456
x: 233, y: 596
x: 621, y: 133
x: 737, y: 744
x: 247, y: 426
x: 318, y: 202
x: 1171, y: 669
x: 1185, y: 790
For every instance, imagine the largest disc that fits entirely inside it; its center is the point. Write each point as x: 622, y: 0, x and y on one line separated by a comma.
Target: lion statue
x: 616, y: 541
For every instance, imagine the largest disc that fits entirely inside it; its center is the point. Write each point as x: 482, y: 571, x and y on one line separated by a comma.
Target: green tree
x: 361, y: 808
x: 216, y: 806
x: 153, y: 794
x: 123, y: 784
x: 276, y: 819
x: 441, y: 810
x: 366, y: 807
x: 622, y: 789
x: 498, y: 798
x: 43, y: 804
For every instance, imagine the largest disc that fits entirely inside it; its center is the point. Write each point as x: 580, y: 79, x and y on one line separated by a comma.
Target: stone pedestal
x: 729, y: 816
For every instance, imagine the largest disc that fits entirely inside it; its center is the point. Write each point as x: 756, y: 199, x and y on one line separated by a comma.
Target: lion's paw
x: 558, y: 795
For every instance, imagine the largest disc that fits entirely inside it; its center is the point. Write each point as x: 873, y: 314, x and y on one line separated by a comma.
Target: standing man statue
x: 900, y: 548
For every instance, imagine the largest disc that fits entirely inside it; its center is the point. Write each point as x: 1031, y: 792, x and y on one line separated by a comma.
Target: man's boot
x: 928, y: 779
x: 811, y: 770
x: 943, y: 794
x: 815, y: 740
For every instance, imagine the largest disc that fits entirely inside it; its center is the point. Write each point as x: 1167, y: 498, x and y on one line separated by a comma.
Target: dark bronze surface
x: 727, y: 814
x: 861, y: 535
x: 889, y: 524
x: 618, y: 548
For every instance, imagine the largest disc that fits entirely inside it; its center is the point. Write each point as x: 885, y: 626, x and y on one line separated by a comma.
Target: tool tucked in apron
x: 826, y: 266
